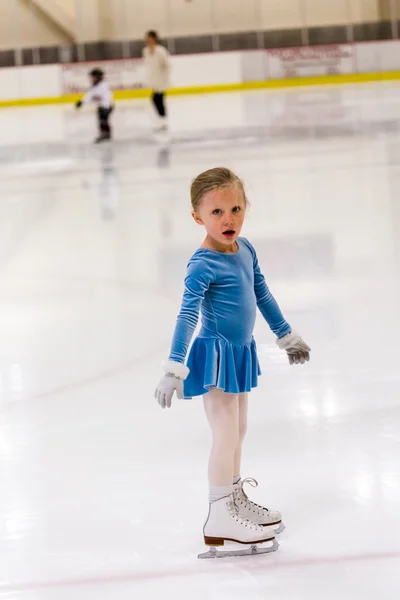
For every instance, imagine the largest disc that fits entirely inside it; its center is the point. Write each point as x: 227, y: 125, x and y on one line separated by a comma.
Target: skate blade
x: 276, y: 530
x: 280, y: 529
x: 252, y: 550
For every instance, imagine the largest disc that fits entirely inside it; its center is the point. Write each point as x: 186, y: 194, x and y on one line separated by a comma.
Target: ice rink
x: 102, y: 495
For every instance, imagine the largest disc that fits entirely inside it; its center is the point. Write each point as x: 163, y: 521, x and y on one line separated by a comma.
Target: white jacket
x: 99, y: 93
x: 158, y: 67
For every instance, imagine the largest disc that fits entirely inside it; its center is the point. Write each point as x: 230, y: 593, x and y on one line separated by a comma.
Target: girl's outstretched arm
x: 296, y: 348
x: 198, y: 279
x: 266, y: 302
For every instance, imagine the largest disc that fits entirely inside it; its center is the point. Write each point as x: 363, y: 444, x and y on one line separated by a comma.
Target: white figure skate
x: 254, y: 512
x: 224, y: 524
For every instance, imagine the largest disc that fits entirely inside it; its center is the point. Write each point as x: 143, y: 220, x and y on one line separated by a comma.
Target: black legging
x: 103, y: 116
x: 158, y: 99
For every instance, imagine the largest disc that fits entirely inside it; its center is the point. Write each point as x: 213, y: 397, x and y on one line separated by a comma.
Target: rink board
x: 207, y: 73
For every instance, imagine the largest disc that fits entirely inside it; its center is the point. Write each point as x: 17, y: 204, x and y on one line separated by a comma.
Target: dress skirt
x: 214, y: 362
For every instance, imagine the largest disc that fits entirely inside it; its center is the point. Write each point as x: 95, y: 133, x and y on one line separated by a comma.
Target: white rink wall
x: 212, y: 69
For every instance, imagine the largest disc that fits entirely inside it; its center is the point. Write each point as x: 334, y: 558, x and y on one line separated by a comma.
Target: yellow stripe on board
x: 224, y: 87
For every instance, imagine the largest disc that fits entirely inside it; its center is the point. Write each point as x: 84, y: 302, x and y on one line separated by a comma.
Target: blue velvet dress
x: 227, y: 288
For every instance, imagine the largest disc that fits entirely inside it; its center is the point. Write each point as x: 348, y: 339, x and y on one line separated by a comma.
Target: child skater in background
x: 101, y: 94
x: 224, y: 280
x: 156, y: 58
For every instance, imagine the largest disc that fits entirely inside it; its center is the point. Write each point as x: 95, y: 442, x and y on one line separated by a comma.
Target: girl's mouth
x: 229, y: 233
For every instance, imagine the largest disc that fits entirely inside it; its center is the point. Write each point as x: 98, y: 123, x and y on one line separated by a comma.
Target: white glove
x: 296, y: 348
x: 171, y: 382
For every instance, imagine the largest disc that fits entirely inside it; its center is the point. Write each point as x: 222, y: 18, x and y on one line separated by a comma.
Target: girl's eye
x: 217, y: 211
x: 236, y: 209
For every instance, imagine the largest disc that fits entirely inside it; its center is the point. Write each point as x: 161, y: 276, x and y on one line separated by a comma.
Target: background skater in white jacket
x: 101, y: 94
x: 157, y: 63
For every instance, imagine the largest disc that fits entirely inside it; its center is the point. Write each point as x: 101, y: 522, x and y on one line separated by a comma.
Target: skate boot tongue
x: 233, y: 507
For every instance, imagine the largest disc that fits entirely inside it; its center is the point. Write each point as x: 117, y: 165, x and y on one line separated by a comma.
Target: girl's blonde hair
x: 211, y: 180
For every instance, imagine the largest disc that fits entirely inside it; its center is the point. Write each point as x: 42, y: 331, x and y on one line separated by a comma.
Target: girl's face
x: 222, y: 213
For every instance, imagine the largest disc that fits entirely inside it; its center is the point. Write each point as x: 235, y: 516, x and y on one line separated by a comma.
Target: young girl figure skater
x: 101, y: 94
x: 225, y: 282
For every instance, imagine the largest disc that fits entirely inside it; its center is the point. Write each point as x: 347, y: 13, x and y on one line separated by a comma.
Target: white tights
x: 227, y: 416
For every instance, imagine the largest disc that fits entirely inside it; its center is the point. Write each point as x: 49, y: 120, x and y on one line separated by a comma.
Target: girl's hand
x: 167, y: 385
x: 296, y: 348
x: 171, y: 382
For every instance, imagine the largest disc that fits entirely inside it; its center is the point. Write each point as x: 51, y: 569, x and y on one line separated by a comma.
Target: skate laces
x: 246, y: 501
x: 234, y: 512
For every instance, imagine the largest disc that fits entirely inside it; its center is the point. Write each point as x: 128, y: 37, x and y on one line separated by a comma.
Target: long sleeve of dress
x: 267, y: 304
x: 198, y: 279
